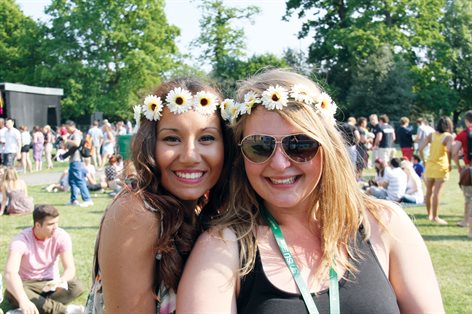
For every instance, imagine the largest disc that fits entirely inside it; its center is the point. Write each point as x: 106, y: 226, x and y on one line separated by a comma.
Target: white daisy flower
x: 179, y: 100
x: 326, y: 105
x: 301, y: 94
x: 137, y: 116
x: 205, y: 103
x: 225, y: 108
x: 152, y: 107
x: 234, y: 111
x: 275, y: 97
x: 250, y: 99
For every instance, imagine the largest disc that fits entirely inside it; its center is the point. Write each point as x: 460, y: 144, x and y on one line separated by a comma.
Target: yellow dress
x: 437, y: 165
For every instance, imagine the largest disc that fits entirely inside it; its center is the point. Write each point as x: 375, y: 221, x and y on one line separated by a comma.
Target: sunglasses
x: 297, y: 147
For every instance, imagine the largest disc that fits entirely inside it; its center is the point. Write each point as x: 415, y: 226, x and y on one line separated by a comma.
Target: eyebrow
x: 177, y: 130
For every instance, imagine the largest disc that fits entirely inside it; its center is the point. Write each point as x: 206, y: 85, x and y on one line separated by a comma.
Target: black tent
x: 30, y: 105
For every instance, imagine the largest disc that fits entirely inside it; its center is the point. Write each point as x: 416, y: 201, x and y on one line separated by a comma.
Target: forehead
x: 188, y: 121
x: 50, y: 220
x: 263, y: 121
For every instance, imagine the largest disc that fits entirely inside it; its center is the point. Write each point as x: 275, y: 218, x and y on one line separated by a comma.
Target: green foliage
x: 107, y: 54
x: 18, y: 49
x: 219, y: 37
x: 347, y: 33
x: 381, y: 85
x: 230, y: 70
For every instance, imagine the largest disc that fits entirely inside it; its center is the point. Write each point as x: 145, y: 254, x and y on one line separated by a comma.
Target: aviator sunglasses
x: 259, y: 148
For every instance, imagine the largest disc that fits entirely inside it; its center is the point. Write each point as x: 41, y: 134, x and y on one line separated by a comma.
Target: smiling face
x: 189, y: 153
x: 281, y: 182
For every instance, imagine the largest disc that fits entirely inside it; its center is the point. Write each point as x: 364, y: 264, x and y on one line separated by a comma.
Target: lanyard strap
x: 292, y: 266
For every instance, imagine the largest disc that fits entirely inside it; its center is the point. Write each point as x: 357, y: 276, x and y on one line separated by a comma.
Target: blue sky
x: 268, y: 34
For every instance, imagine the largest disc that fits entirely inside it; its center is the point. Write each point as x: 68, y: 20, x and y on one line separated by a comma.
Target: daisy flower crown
x: 276, y: 98
x: 178, y: 100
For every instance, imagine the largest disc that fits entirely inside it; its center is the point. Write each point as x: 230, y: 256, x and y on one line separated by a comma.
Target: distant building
x: 31, y: 105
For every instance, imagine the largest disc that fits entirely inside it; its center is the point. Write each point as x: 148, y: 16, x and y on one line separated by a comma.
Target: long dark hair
x: 180, y: 228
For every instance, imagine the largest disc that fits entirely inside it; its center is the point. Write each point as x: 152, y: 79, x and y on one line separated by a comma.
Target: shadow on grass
x: 446, y: 238
x: 79, y: 227
x: 100, y: 212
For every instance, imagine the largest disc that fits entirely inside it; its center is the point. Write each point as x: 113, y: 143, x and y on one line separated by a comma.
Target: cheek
x: 216, y: 159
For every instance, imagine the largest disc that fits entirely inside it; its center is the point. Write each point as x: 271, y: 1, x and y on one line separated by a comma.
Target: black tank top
x: 368, y: 291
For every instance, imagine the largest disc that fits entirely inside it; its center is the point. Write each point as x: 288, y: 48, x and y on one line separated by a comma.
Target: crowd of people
x: 246, y: 195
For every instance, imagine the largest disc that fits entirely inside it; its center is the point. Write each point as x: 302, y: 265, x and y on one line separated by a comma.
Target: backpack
x: 86, y: 146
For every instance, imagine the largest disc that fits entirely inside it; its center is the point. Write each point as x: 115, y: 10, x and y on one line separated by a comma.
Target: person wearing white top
x: 12, y: 144
x: 25, y: 147
x: 414, y: 187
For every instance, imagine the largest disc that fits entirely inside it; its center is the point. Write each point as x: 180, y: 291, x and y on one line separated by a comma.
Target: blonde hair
x: 340, y: 212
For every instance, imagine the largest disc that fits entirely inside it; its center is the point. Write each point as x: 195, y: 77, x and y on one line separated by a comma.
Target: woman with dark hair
x: 438, y: 165
x: 181, y: 168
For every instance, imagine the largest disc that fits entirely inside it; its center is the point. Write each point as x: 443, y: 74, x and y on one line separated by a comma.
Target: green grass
x: 450, y: 249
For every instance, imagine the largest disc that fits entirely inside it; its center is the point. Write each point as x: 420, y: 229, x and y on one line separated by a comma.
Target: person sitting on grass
x: 32, y: 279
x: 418, y: 165
x: 62, y: 185
x: 393, y: 186
x: 414, y: 187
x: 15, y: 199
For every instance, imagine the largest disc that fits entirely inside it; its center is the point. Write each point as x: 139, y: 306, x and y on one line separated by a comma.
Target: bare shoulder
x: 128, y: 212
x: 214, y: 239
x: 394, y: 218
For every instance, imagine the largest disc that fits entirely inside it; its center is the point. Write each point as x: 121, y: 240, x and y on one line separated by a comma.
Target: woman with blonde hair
x: 108, y: 144
x: 298, y: 235
x: 15, y: 199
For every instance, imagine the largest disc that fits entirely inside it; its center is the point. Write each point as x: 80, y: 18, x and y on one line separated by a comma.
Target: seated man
x: 32, y: 278
x: 394, y: 184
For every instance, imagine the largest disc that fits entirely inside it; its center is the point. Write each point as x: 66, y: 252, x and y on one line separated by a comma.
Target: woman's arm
x: 423, y: 145
x: 4, y: 198
x: 411, y: 271
x: 126, y: 256
x: 212, y: 268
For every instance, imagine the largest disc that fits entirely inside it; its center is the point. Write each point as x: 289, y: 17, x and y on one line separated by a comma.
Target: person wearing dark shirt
x: 296, y: 218
x: 418, y: 165
x: 384, y: 139
x: 351, y: 136
x: 404, y: 137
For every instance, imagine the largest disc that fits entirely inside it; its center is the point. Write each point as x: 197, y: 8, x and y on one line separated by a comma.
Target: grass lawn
x: 450, y: 249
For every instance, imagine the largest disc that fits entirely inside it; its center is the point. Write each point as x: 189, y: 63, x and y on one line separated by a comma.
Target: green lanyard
x: 290, y: 261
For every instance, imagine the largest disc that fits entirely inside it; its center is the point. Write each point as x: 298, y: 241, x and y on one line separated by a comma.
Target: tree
x: 232, y: 69
x: 219, y: 37
x: 18, y: 48
x: 107, y: 54
x: 382, y: 84
x: 345, y: 33
x: 456, y: 55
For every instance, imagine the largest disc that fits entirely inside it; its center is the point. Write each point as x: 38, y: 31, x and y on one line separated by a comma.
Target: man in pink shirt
x: 32, y: 278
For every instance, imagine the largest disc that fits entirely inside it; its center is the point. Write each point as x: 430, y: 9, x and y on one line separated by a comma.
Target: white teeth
x: 283, y: 181
x: 189, y: 175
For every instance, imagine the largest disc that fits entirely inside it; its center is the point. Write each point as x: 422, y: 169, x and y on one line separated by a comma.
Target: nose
x: 279, y: 160
x: 190, y: 153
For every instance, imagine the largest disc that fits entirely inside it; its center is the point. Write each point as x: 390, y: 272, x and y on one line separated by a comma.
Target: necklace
x: 292, y: 266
